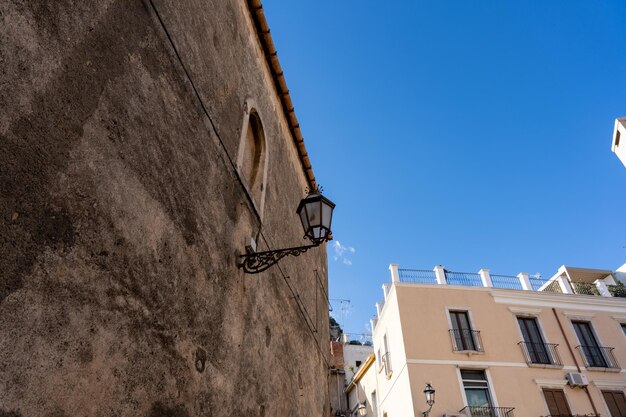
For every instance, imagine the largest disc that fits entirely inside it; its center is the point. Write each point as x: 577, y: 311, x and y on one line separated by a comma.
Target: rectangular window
x: 476, y: 388
x: 616, y: 402
x: 534, y: 344
x: 589, y: 344
x: 462, y: 334
x: 624, y: 328
x: 374, y: 405
x: 556, y: 401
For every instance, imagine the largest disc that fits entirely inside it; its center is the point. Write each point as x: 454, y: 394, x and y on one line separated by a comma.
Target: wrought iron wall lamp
x: 429, y: 392
x: 316, y: 214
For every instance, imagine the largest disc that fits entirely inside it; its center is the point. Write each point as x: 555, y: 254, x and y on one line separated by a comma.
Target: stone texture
x: 122, y: 218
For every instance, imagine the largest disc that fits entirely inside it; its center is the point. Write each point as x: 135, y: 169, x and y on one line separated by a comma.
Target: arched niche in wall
x: 252, y: 156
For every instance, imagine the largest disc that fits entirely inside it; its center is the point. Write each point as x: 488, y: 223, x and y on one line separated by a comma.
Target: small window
x: 556, y: 401
x: 617, y: 135
x: 624, y: 328
x: 534, y: 348
x: 476, y: 388
x: 374, y: 404
x: 358, y: 363
x: 593, y: 352
x: 463, y: 337
x: 254, y: 157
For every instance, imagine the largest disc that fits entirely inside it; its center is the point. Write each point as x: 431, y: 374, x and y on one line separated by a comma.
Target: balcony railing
x: 472, y: 411
x: 418, y: 276
x: 573, y: 415
x: 464, y: 340
x: 541, y: 353
x: 598, y: 357
x: 467, y: 279
x: 386, y: 359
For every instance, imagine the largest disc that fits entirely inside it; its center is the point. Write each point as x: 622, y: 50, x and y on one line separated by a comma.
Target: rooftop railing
x: 537, y: 283
x: 472, y: 411
x: 560, y: 284
x: 467, y: 279
x: 585, y: 288
x: 618, y: 290
x: 418, y: 276
x: 506, y: 281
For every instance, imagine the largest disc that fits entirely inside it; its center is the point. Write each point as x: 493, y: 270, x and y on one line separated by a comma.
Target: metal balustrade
x: 506, y: 281
x: 618, y: 290
x: 472, y: 411
x: 573, y: 415
x: 464, y: 340
x: 537, y: 283
x: 598, y: 357
x: 585, y: 288
x: 418, y: 276
x: 467, y: 279
x: 554, y: 286
x: 541, y: 353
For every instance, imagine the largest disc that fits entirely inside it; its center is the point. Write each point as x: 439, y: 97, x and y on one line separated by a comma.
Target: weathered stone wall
x: 122, y: 216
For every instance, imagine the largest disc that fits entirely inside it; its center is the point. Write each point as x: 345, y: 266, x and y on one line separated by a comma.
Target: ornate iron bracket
x: 256, y: 262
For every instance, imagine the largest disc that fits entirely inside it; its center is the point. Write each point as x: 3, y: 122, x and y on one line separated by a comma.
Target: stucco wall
x: 421, y: 313
x: 122, y: 217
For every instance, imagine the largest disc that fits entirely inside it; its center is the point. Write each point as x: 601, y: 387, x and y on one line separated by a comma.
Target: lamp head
x: 316, y: 215
x: 429, y: 392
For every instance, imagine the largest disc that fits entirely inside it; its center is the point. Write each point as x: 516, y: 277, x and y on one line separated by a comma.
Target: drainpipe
x: 571, y: 351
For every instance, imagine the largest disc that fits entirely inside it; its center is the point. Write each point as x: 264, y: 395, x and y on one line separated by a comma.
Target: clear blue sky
x: 463, y: 133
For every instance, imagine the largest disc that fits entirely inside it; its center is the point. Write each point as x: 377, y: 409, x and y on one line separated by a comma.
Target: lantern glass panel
x: 327, y: 214
x: 304, y: 218
x: 313, y: 209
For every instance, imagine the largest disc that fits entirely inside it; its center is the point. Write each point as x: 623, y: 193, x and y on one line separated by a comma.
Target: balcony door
x: 556, y: 401
x: 589, y: 344
x: 535, y: 344
x: 616, y: 402
x: 462, y: 330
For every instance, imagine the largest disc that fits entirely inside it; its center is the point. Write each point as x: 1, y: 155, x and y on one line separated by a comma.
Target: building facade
x: 499, y: 346
x: 348, y: 356
x: 618, y: 147
x: 143, y: 146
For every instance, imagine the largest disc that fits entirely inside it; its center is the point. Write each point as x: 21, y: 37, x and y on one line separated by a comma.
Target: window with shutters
x: 556, y: 401
x: 616, y: 402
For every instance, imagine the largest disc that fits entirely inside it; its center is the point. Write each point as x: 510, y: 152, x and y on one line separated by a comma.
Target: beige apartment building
x: 496, y: 345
